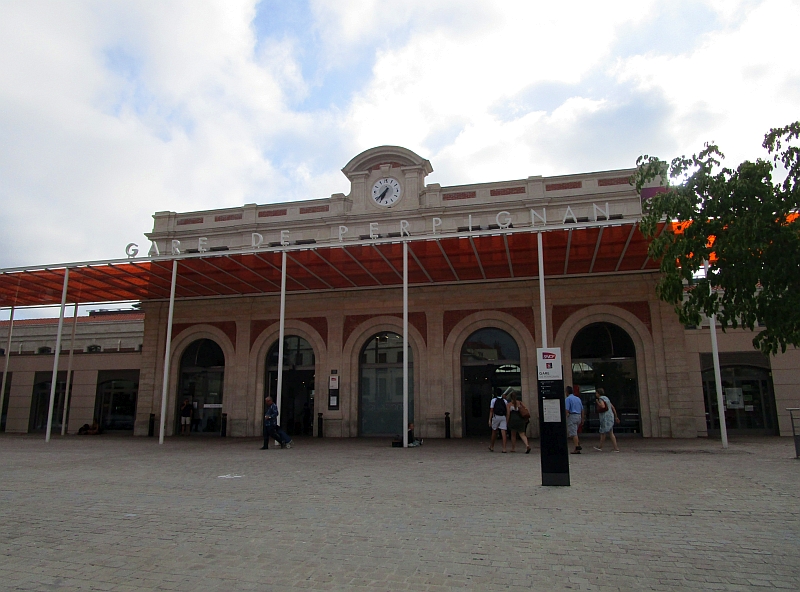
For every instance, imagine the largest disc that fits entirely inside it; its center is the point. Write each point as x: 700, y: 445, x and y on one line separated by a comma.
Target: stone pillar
x: 19, y: 402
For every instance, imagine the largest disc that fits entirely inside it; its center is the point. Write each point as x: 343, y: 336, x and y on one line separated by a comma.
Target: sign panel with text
x: 548, y: 363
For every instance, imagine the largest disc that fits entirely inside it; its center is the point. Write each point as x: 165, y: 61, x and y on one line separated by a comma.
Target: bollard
x: 447, y: 426
x: 319, y: 425
x: 151, y: 428
x: 224, y: 431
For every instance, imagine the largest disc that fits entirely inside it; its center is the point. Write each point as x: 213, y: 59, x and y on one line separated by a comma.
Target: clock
x: 386, y: 192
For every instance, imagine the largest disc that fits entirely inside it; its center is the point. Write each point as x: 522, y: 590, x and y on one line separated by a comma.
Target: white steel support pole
x: 69, y: 371
x: 712, y: 329
x: 405, y: 345
x: 542, y: 307
x: 8, y: 356
x: 55, y: 357
x: 167, y: 348
x: 281, y: 324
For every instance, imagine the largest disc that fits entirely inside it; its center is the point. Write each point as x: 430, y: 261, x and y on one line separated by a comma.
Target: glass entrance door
x: 381, y: 386
x: 748, y: 397
x: 116, y: 404
x: 40, y: 402
x: 490, y: 364
x: 201, y: 380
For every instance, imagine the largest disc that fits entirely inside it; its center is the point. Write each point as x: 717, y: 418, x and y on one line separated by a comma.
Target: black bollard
x: 224, y: 431
x: 319, y: 425
x: 151, y: 428
x: 447, y: 425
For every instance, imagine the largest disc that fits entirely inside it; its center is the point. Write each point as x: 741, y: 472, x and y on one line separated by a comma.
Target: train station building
x: 475, y: 277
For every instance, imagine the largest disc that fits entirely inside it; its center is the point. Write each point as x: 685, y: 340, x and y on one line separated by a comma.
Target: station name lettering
x: 503, y: 220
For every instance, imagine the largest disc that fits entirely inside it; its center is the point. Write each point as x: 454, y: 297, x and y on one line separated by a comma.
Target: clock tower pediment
x: 386, y: 177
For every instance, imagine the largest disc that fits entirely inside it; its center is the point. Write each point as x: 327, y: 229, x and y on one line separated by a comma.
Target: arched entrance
x: 201, y: 378
x: 380, y: 397
x: 603, y: 355
x: 297, y: 392
x: 749, y: 400
x: 490, y: 362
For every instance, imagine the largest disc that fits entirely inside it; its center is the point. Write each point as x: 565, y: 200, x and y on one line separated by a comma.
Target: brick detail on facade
x: 523, y: 314
x: 314, y: 209
x: 226, y: 217
x: 641, y: 309
x: 271, y: 213
x: 506, y: 191
x: 418, y: 320
x: 187, y: 221
x: 459, y: 195
x: 613, y: 181
x: 563, y: 186
x: 319, y: 324
x: 227, y: 327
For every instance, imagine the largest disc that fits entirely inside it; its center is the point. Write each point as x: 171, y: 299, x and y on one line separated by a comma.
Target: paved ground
x: 199, y: 514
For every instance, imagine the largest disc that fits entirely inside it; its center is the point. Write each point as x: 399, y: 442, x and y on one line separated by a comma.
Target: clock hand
x: 383, y: 193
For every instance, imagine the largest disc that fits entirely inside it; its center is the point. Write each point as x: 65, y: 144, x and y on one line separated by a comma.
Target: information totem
x: 552, y: 417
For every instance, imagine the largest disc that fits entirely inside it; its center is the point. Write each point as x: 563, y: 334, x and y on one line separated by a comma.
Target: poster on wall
x: 734, y: 399
x: 548, y: 363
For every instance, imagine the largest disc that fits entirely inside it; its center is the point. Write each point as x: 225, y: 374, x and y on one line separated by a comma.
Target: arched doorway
x: 297, y: 392
x: 202, y: 376
x: 603, y: 355
x: 380, y: 397
x: 749, y: 400
x: 490, y: 362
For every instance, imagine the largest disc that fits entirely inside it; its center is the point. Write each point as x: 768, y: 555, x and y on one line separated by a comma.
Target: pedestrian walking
x: 498, y: 419
x: 608, y: 417
x: 575, y: 418
x: 186, y: 417
x: 271, y: 427
x: 518, y: 417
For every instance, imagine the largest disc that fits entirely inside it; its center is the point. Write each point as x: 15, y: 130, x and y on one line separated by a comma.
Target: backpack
x: 499, y: 407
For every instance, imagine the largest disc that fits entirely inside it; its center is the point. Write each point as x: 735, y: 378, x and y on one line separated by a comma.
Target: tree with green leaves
x: 745, y: 223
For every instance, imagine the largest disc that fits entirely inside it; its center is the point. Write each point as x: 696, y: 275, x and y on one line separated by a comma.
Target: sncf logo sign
x: 548, y: 356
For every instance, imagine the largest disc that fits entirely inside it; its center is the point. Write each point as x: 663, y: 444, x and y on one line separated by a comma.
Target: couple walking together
x: 506, y: 413
x: 576, y: 415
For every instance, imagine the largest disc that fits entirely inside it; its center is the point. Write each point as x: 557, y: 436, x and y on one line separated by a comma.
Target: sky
x: 111, y: 111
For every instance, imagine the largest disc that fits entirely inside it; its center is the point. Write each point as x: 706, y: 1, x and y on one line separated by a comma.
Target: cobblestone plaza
x: 112, y: 513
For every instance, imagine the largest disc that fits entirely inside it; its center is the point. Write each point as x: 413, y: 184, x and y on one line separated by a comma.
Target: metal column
x: 8, y: 356
x: 69, y: 371
x: 55, y: 357
x: 405, y: 344
x: 167, y: 347
x: 280, y: 332
x: 712, y: 322
x: 542, y: 307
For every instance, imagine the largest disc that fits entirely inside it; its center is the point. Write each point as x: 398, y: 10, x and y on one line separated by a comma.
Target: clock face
x: 386, y: 191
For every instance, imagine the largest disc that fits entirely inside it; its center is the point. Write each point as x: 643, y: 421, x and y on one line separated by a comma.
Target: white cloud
x: 110, y: 111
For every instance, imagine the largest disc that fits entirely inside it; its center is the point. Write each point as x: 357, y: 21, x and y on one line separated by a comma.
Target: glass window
x: 381, y: 386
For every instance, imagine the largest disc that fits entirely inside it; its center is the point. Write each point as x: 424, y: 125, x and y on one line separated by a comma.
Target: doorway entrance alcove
x: 490, y: 363
x: 297, y: 394
x: 380, y: 399
x: 202, y: 376
x: 604, y: 355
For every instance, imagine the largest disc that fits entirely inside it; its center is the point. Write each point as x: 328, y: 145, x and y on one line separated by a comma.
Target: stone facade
x: 338, y: 323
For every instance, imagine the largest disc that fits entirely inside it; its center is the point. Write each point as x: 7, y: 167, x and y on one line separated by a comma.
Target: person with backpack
x: 518, y: 418
x: 498, y: 419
